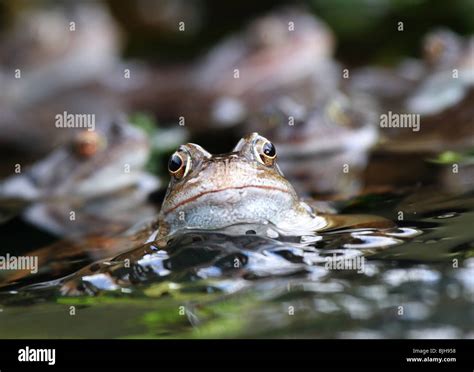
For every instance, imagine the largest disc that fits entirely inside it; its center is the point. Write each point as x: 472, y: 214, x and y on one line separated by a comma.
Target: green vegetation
x: 451, y: 157
x: 163, y: 140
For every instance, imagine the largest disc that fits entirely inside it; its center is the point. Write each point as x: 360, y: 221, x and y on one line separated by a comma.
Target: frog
x: 244, y: 186
x: 436, y: 89
x: 446, y: 92
x: 55, y: 59
x: 444, y: 49
x: 441, y: 51
x: 318, y: 135
x: 98, y: 174
x: 437, y: 92
x: 275, y: 52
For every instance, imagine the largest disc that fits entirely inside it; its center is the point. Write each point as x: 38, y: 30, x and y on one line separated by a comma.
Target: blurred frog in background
x: 51, y: 48
x: 439, y: 88
x: 88, y: 184
x: 274, y: 53
x: 53, y: 59
x: 323, y: 141
x: 437, y: 92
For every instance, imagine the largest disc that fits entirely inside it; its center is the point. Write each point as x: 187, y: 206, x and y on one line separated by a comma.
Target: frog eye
x: 177, y: 165
x: 87, y: 144
x: 266, y: 152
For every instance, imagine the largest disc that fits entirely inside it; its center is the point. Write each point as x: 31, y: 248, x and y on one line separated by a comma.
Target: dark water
x: 412, y: 281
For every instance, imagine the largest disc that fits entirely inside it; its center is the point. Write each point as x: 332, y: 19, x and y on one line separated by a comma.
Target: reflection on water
x: 414, y: 280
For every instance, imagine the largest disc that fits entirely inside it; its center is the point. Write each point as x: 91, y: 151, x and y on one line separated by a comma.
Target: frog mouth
x: 215, y: 191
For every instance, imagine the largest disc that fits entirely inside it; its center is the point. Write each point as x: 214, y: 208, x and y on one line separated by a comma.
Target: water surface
x: 415, y: 280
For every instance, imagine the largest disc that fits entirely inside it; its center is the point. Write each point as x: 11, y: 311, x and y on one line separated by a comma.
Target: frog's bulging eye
x: 269, y: 150
x: 87, y: 144
x: 176, y: 165
x: 267, y: 153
